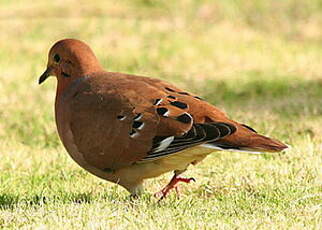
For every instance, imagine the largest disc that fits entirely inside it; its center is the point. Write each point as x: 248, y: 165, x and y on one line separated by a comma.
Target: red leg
x: 173, y: 184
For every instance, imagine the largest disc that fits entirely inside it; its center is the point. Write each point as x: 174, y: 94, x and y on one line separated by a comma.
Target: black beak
x: 44, y: 76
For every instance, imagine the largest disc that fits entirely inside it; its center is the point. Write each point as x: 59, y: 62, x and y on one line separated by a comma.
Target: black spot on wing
x: 157, y: 101
x: 179, y: 104
x: 183, y: 93
x: 199, y: 98
x: 120, y: 117
x: 132, y: 132
x: 169, y: 89
x: 184, y: 118
x: 137, y: 117
x: 137, y: 124
x: 172, y: 97
x: 162, y: 111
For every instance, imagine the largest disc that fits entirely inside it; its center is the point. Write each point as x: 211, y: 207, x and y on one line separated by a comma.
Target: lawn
x: 260, y: 61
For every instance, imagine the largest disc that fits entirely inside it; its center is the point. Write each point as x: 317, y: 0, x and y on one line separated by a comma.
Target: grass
x: 260, y: 61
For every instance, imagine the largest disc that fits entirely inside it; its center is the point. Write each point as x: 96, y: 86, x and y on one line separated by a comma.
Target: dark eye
x: 56, y: 58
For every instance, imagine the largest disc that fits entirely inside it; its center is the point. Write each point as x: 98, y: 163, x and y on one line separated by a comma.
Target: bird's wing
x: 118, y: 119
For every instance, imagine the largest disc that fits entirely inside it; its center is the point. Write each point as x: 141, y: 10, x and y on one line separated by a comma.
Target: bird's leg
x: 173, y: 184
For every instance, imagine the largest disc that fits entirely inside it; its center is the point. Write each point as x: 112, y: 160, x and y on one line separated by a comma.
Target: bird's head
x: 69, y: 59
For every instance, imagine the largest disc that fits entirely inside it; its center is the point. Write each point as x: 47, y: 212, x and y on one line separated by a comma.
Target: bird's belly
x: 178, y: 161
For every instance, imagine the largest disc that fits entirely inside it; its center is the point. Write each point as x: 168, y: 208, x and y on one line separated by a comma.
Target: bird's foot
x: 173, y: 184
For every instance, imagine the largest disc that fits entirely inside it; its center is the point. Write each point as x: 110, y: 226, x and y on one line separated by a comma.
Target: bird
x: 127, y: 128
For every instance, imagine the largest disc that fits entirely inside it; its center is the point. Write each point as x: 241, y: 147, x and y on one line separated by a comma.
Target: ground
x: 260, y: 61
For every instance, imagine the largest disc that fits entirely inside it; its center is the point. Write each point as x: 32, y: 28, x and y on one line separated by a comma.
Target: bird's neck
x: 83, y: 70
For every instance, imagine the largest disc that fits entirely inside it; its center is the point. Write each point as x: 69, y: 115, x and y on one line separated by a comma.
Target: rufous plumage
x: 125, y: 128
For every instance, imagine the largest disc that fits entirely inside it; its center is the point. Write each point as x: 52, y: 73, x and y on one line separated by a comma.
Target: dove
x: 125, y: 128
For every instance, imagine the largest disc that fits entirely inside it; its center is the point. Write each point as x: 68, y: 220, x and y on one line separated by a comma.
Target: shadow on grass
x: 7, y: 201
x: 11, y: 201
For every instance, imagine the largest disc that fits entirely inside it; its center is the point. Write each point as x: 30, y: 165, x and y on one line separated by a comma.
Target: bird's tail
x: 247, y: 139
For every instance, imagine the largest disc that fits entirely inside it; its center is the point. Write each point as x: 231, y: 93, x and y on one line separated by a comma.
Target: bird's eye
x: 56, y: 58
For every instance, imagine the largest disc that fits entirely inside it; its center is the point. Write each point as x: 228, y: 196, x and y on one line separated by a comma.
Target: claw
x: 173, y: 184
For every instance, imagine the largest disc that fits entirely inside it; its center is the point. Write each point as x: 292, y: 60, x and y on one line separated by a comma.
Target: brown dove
x: 126, y: 128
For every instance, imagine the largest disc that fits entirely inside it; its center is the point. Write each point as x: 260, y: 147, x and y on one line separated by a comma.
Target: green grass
x: 260, y: 61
